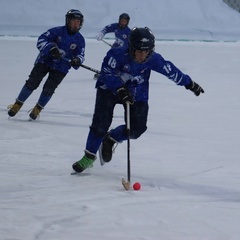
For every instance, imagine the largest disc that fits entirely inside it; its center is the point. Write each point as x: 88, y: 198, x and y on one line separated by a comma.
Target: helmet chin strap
x: 72, y: 30
x: 145, y: 60
x: 122, y: 26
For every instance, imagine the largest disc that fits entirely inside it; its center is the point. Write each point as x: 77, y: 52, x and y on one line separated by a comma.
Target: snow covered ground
x: 168, y: 19
x: 187, y: 161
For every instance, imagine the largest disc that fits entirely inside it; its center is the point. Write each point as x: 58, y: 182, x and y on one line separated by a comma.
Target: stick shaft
x: 107, y: 43
x: 128, y: 142
x: 90, y: 68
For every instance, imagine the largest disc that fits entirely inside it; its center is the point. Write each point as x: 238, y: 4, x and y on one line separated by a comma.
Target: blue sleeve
x: 70, y: 46
x: 168, y: 69
x: 79, y: 50
x: 47, y: 40
x: 110, y: 28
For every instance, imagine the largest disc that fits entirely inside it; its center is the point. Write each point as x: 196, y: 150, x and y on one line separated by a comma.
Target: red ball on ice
x: 136, y: 186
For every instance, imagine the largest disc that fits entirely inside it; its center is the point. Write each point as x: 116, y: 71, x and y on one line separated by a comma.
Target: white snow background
x: 187, y: 161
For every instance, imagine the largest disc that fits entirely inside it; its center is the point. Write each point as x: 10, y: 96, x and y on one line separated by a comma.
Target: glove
x: 100, y: 36
x: 75, y: 62
x: 194, y: 87
x: 124, y: 95
x: 54, y: 53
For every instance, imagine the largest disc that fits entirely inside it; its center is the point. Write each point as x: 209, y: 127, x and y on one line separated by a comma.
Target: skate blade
x: 102, y: 162
x: 126, y: 184
x: 80, y: 174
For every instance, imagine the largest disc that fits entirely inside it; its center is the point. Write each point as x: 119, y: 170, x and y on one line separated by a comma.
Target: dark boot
x: 107, y: 148
x: 35, y: 112
x: 15, y: 108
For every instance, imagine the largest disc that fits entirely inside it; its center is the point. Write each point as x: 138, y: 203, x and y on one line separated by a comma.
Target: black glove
x: 54, y: 53
x: 75, y: 62
x: 194, y: 87
x: 124, y: 95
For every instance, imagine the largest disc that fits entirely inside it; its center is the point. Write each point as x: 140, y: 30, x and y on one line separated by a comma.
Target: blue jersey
x: 70, y: 46
x: 119, y: 69
x: 121, y: 34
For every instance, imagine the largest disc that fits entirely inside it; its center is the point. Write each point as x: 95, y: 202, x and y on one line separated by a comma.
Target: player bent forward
x: 124, y: 78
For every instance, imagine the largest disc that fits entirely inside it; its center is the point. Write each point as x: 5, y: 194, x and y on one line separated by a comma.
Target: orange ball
x: 136, y: 186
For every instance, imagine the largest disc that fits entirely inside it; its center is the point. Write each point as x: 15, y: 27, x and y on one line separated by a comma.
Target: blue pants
x: 102, y: 119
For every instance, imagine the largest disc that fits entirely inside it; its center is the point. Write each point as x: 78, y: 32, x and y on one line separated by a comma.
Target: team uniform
x: 120, y: 30
x: 122, y: 80
x: 56, y: 46
x: 120, y: 70
x: 121, y: 34
x: 70, y: 46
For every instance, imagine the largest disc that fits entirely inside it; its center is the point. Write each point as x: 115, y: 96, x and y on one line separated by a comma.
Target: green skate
x: 86, y: 162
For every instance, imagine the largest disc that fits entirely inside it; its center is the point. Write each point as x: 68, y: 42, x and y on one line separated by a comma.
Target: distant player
x: 120, y: 29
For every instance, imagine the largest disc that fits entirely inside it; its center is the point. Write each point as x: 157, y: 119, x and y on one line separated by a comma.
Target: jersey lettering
x: 112, y: 62
x: 167, y: 68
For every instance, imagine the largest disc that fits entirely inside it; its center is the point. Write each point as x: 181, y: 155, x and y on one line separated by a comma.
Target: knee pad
x: 51, y: 84
x: 137, y: 132
x: 100, y: 132
x: 32, y: 84
x: 49, y: 87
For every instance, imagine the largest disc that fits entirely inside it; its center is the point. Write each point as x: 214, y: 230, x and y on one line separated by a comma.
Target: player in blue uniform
x: 120, y: 29
x: 54, y: 45
x: 124, y: 78
x: 121, y: 32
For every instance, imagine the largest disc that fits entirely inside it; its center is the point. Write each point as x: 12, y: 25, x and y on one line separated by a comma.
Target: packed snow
x: 168, y: 19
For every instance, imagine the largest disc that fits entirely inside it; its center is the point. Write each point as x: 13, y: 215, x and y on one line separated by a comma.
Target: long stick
x: 90, y: 68
x: 107, y: 43
x: 126, y: 184
x: 84, y: 66
x: 128, y: 142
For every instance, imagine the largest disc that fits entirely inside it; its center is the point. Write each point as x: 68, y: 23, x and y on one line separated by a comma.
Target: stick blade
x: 126, y: 184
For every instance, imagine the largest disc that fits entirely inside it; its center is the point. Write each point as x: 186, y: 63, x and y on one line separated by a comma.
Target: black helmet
x: 124, y: 16
x: 74, y: 14
x: 141, y: 39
